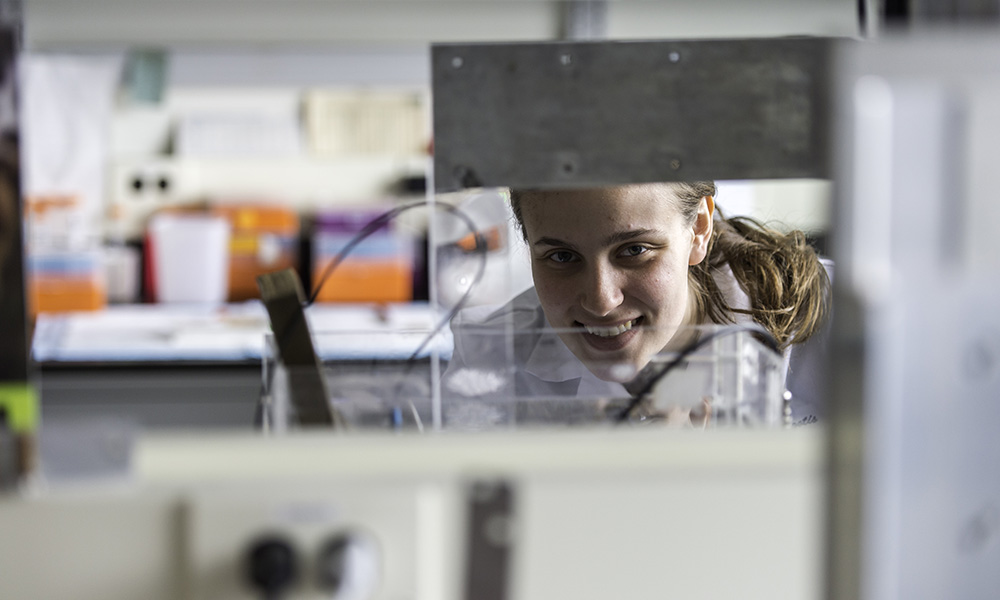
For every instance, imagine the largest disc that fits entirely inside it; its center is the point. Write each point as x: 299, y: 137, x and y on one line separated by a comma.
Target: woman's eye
x: 561, y: 256
x: 634, y: 250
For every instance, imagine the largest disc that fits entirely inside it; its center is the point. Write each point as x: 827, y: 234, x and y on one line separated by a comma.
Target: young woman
x: 621, y: 272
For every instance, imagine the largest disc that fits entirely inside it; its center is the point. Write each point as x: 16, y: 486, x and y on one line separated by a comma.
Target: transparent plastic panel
x: 513, y: 376
x: 386, y: 379
x: 484, y: 378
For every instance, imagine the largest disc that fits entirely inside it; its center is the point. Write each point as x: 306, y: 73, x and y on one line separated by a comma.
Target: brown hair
x: 780, y: 272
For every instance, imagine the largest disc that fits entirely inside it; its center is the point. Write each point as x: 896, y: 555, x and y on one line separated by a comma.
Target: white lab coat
x: 486, y: 363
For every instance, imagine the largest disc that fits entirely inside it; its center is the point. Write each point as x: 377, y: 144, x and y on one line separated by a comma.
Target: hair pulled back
x: 781, y: 274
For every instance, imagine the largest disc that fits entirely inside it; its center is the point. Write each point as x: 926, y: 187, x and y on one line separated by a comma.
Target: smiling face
x: 610, y: 266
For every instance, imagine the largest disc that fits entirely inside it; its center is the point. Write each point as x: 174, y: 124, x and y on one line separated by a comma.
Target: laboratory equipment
x: 409, y: 378
x: 503, y: 261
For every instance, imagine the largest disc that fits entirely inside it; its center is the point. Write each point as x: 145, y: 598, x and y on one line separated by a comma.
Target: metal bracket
x: 490, y: 540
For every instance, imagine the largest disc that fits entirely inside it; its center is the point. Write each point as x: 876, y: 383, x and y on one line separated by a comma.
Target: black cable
x: 380, y: 221
x: 764, y: 335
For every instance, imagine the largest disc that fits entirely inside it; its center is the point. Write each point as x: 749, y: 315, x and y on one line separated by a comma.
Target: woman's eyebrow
x: 548, y: 241
x: 615, y: 238
x: 624, y: 236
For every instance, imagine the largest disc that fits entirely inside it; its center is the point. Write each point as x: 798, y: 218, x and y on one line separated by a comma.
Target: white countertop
x: 229, y: 332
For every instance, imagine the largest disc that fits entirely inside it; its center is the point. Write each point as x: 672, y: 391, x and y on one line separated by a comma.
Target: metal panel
x: 565, y: 114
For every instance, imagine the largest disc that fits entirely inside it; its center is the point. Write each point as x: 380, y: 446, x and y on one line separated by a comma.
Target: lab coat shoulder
x: 484, y: 333
x: 807, y: 369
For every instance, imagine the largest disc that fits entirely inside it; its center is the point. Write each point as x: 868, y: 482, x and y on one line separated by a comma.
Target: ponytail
x: 780, y: 273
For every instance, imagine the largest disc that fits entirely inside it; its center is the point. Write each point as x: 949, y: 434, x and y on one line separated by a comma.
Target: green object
x: 146, y: 75
x: 21, y: 404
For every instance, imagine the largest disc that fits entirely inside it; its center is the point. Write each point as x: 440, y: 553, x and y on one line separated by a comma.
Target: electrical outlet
x: 349, y: 542
x: 140, y: 188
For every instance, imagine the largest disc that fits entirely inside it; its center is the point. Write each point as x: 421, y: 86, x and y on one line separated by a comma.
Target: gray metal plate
x: 556, y: 114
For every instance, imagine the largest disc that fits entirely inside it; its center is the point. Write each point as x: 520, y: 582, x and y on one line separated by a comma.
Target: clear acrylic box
x: 508, y: 378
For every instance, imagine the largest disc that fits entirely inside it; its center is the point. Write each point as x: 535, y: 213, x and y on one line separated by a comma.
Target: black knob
x: 332, y: 559
x: 348, y: 565
x: 271, y: 565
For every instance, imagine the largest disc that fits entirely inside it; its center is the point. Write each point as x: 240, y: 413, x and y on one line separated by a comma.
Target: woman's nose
x: 601, y: 292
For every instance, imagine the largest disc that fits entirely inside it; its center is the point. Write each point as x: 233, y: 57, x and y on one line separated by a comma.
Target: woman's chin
x: 615, y: 371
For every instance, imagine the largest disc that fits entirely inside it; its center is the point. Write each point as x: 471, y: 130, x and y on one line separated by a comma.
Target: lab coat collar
x: 551, y: 360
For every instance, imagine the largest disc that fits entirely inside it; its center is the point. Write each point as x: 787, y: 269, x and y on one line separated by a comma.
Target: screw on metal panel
x: 566, y: 59
x: 457, y: 62
x: 979, y: 531
x: 675, y: 164
x: 566, y: 164
x: 466, y: 177
x: 675, y: 56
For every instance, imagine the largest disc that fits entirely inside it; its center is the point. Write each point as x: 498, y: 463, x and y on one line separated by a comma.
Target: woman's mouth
x: 609, y: 338
x: 614, y: 330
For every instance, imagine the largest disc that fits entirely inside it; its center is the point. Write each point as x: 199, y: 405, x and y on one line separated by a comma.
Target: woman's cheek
x: 551, y: 293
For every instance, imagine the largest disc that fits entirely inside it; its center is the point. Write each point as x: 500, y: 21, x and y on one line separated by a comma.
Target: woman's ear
x: 702, y: 229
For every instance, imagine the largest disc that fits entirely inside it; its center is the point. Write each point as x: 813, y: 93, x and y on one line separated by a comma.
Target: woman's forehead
x: 650, y: 201
x: 593, y: 216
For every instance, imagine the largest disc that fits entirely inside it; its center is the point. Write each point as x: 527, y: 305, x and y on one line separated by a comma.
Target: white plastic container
x: 121, y: 271
x: 190, y: 258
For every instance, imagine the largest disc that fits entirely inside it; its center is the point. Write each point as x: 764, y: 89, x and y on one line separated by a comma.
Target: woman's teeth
x: 610, y: 331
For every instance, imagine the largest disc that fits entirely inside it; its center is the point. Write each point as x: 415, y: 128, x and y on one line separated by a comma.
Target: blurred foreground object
x: 915, y: 496
x: 527, y: 516
x: 18, y: 398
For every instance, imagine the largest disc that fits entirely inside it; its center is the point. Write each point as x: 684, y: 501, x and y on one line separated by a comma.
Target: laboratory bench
x: 196, y: 366
x: 204, y: 394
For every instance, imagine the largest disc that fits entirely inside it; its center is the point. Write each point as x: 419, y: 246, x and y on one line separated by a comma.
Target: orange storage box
x: 378, y: 269
x: 264, y: 239
x: 66, y: 282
